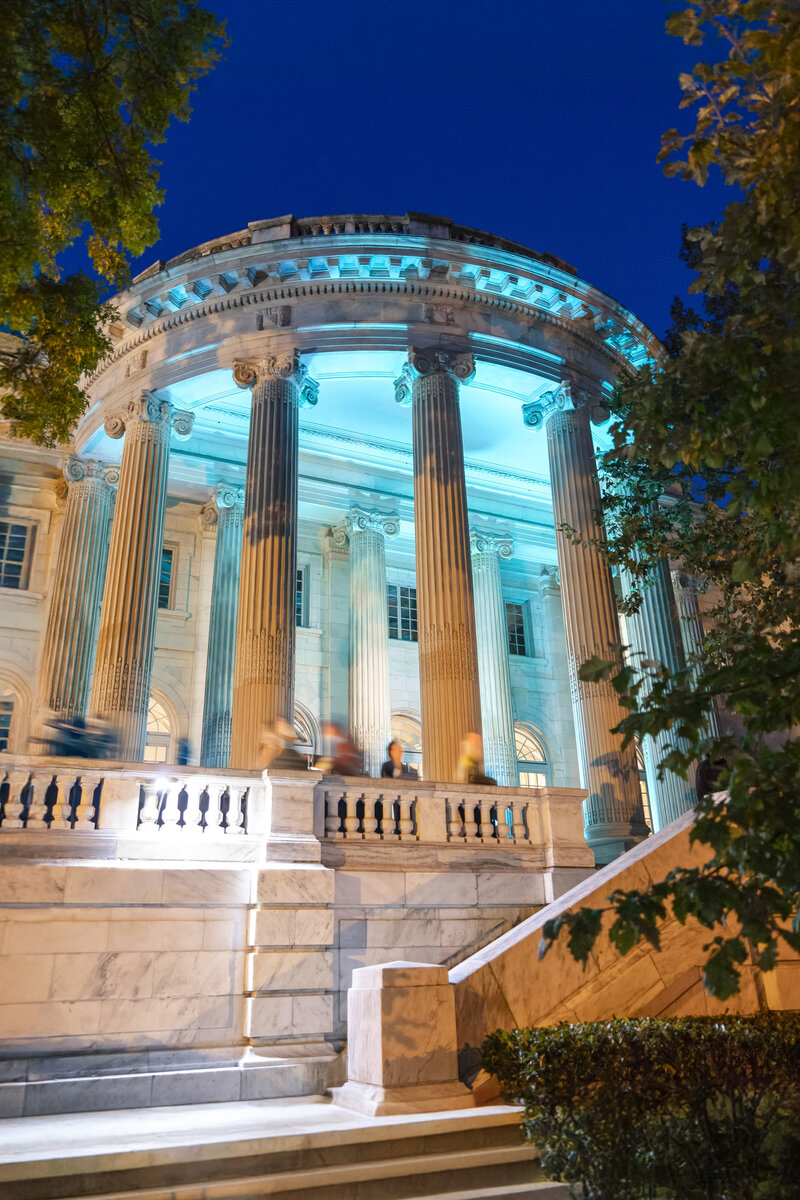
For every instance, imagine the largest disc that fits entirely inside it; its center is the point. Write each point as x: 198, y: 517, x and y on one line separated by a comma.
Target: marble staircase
x: 286, y: 1150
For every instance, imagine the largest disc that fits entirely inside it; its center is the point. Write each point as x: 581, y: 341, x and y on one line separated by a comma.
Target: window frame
x: 524, y: 623
x: 413, y: 619
x: 172, y: 549
x: 543, y: 767
x: 301, y: 587
x: 31, y: 528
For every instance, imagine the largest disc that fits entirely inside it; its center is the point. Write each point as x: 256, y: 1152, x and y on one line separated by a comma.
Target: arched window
x: 305, y: 729
x: 408, y: 730
x: 648, y: 816
x: 534, y: 769
x: 159, y: 734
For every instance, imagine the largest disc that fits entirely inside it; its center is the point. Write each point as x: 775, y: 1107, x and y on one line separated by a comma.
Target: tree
x: 715, y: 428
x: 87, y: 88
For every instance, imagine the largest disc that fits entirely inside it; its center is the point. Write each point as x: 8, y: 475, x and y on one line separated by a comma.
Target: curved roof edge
x: 412, y: 224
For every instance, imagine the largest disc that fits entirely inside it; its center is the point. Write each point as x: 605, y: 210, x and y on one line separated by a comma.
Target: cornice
x: 302, y: 290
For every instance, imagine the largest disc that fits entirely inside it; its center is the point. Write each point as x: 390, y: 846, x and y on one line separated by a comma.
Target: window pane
x: 14, y: 547
x: 402, y: 603
x: 298, y: 600
x: 6, y: 713
x: 515, y: 623
x: 165, y: 579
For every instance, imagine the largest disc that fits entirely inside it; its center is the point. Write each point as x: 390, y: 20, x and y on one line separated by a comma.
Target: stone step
x: 287, y: 1150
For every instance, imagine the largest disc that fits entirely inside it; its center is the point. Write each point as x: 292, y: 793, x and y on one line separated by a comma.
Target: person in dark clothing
x: 394, y: 767
x: 707, y: 776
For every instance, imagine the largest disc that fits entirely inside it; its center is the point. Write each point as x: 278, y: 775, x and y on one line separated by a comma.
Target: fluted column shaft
x: 218, y: 702
x: 494, y: 671
x: 448, y: 656
x: 368, y: 709
x: 692, y: 633
x: 126, y: 641
x: 613, y: 811
x: 263, y: 687
x: 654, y: 637
x: 77, y: 588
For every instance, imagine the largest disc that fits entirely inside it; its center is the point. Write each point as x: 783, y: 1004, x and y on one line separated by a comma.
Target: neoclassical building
x: 322, y: 476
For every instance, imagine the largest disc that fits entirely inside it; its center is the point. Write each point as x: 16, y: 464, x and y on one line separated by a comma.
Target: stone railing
x: 140, y: 800
x: 362, y: 811
x: 48, y: 794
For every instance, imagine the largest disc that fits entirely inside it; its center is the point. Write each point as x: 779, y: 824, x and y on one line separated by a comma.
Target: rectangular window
x: 402, y: 603
x: 299, y: 602
x: 6, y: 713
x: 515, y: 624
x: 15, y: 545
x: 165, y: 578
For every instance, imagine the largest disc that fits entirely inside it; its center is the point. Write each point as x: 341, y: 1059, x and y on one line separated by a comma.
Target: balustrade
x: 40, y: 797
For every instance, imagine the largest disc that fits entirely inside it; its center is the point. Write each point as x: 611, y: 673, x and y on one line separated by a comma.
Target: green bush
x: 700, y: 1108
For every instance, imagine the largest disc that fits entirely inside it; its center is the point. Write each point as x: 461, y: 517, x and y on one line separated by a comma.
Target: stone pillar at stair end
x: 401, y: 1050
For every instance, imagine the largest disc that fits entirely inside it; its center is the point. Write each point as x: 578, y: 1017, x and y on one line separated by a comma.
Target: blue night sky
x: 537, y: 121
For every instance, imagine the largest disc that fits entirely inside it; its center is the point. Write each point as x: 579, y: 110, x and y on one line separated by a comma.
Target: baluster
x: 62, y: 812
x: 193, y: 816
x: 517, y: 825
x: 405, y: 824
x: 455, y: 829
x: 88, y: 810
x: 370, y: 818
x: 36, y: 807
x: 332, y: 819
x: 488, y: 833
x: 350, y: 815
x: 17, y: 782
x: 216, y: 810
x: 170, y: 812
x: 148, y: 814
x: 236, y: 811
x: 470, y: 828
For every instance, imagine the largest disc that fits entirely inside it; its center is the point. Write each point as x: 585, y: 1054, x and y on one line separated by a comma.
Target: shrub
x: 699, y: 1108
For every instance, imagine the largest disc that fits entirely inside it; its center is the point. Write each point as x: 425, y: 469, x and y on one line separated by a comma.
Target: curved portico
x: 475, y: 332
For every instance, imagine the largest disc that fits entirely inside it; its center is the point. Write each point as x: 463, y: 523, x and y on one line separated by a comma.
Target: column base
x: 371, y: 1100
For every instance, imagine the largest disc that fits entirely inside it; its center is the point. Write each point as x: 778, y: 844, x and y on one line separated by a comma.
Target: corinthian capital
x: 362, y: 520
x: 487, y: 541
x: 460, y: 365
x: 150, y: 409
x: 247, y: 372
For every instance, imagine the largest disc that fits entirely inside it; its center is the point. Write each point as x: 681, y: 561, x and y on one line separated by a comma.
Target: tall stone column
x: 204, y: 567
x: 497, y: 709
x: 653, y: 637
x: 614, y: 814
x: 216, y: 745
x: 77, y: 588
x: 263, y: 688
x: 448, y: 655
x: 369, y: 714
x: 126, y: 642
x: 690, y: 624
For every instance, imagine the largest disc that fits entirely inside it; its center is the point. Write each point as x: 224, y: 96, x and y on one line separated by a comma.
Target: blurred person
x: 346, y: 758
x: 183, y: 752
x: 394, y: 767
x: 277, y: 748
x: 470, y: 767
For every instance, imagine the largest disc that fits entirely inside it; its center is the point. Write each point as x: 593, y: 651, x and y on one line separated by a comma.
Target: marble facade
x: 263, y: 369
